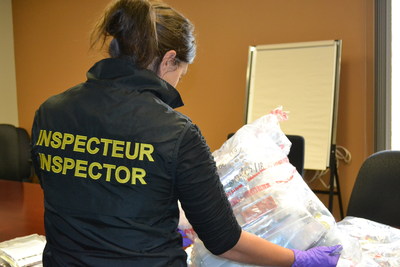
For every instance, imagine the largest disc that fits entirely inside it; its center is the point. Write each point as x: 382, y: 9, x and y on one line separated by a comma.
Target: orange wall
x: 52, y: 54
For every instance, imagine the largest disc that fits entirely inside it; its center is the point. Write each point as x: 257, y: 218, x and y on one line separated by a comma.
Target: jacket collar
x: 124, y: 74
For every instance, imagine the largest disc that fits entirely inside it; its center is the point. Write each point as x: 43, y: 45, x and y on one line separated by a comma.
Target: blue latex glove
x: 317, y: 257
x: 186, y: 240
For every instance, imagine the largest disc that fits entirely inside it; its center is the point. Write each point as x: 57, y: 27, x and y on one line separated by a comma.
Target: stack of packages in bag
x: 270, y: 198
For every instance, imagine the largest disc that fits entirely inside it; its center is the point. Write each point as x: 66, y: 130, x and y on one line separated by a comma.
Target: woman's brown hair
x: 144, y: 31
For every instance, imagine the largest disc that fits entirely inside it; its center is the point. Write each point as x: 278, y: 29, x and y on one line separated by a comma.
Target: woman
x: 114, y: 157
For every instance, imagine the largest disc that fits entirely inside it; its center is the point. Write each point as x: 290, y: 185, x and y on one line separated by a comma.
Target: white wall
x: 395, y: 75
x: 8, y: 88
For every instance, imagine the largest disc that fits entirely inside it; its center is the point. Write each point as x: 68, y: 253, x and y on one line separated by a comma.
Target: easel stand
x: 334, y: 179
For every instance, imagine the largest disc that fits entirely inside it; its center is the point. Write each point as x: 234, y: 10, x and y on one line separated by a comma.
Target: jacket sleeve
x: 202, y: 196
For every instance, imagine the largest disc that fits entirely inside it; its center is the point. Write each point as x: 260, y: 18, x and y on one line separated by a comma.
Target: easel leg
x: 339, y: 194
x: 334, y: 179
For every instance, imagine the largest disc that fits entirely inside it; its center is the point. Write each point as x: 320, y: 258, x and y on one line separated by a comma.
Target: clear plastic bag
x: 23, y: 251
x: 378, y: 244
x: 270, y: 199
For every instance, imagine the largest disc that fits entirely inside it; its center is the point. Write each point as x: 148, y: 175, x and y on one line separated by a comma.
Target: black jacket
x: 113, y: 158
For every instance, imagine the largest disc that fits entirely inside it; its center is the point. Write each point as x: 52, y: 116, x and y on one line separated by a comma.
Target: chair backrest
x: 376, y: 192
x: 296, y: 153
x: 15, y: 162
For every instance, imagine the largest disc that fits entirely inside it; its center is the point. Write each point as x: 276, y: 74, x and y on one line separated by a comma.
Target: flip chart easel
x: 304, y: 79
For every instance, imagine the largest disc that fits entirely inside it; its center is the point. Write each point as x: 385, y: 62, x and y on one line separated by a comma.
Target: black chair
x: 376, y: 192
x: 15, y: 158
x: 296, y: 153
